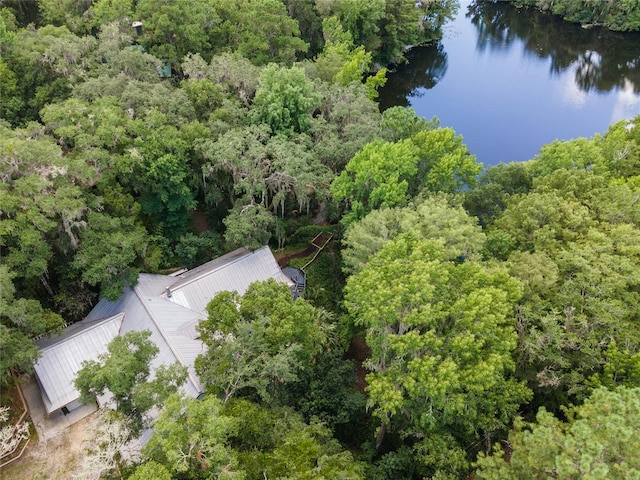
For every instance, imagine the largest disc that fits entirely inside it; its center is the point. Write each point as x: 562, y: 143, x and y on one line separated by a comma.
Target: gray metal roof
x: 234, y: 271
x: 62, y: 356
x: 172, y: 319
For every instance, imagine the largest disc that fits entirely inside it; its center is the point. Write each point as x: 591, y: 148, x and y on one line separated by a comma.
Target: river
x: 510, y: 80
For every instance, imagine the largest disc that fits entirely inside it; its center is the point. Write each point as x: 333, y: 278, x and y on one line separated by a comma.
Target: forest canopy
x: 454, y: 309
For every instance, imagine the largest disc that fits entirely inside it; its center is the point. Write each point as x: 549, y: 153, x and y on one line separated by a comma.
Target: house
x: 170, y: 306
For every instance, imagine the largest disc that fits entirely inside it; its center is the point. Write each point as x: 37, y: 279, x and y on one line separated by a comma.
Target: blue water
x: 518, y: 80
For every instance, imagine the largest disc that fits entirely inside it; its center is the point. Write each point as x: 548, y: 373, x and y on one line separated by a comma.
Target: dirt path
x: 53, y: 459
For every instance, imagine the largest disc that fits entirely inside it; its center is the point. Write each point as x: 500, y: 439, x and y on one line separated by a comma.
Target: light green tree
x: 284, y: 99
x: 377, y: 175
x: 445, y: 164
x: 190, y: 440
x: 342, y: 63
x: 435, y: 217
x: 151, y: 471
x: 398, y: 123
x: 599, y: 440
x: 441, y: 336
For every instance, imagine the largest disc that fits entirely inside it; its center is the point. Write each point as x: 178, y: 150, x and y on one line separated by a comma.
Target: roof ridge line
x: 209, y: 272
x: 163, y: 334
x: 99, y: 322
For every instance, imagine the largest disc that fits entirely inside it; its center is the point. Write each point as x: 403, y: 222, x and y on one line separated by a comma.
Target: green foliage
x: 193, y: 250
x: 441, y: 339
x: 205, y: 95
x: 233, y: 73
x: 599, y: 440
x: 46, y: 60
x: 324, y: 280
x: 377, y: 175
x: 433, y: 218
x: 284, y: 99
x: 488, y: 197
x: 622, y: 367
x: 167, y: 197
x: 70, y: 13
x: 19, y: 353
x: 348, y: 120
x: 258, y: 342
x: 120, y: 147
x: 260, y: 30
x: 390, y: 174
x: 399, y: 123
x: 303, y: 235
x: 20, y: 320
x: 151, y: 471
x: 327, y: 392
x: 387, y: 27
x: 562, y: 349
x: 190, y: 439
x: 277, y: 443
x: 249, y: 226
x: 408, y: 24
x: 261, y: 175
x: 341, y: 63
x: 172, y: 28
x: 123, y: 371
x: 309, y: 22
x: 567, y: 236
x: 10, y: 101
x: 358, y: 17
x: 42, y: 203
x: 623, y: 15
x: 621, y: 149
x: 110, y: 253
x: 103, y: 12
x: 544, y: 221
x: 445, y: 163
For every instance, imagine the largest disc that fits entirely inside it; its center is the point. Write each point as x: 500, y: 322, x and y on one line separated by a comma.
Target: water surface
x: 510, y: 80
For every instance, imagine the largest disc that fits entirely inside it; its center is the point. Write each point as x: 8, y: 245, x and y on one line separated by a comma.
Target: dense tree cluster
x: 623, y: 15
x: 477, y: 307
x: 219, y: 124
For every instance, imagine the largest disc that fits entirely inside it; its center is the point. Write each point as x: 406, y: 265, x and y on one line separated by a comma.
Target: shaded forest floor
x: 359, y: 351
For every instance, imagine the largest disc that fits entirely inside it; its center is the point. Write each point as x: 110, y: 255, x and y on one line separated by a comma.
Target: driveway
x: 48, y: 426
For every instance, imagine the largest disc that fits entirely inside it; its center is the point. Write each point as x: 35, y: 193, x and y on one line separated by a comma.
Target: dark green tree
x: 110, y: 253
x: 172, y: 28
x: 21, y: 320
